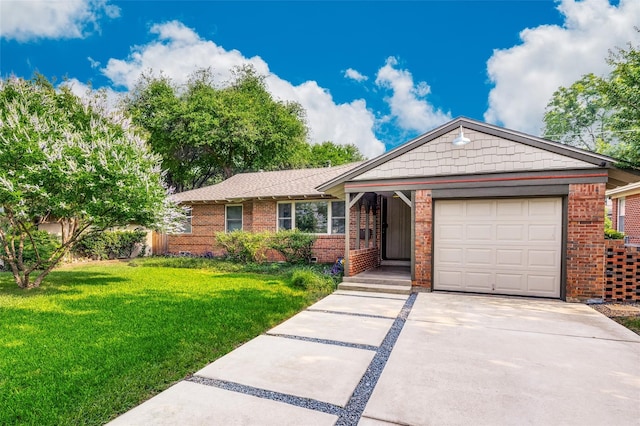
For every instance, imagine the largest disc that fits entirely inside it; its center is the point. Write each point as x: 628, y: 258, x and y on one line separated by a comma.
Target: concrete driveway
x: 425, y: 359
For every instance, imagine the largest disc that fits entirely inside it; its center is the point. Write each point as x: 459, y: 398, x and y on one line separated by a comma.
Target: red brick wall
x: 363, y: 224
x: 424, y: 234
x: 256, y: 216
x: 585, y: 242
x: 361, y: 260
x: 622, y: 279
x: 614, y: 213
x: 207, y: 219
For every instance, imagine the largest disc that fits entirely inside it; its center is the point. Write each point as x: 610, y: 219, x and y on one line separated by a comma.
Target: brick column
x: 423, y: 205
x: 585, y: 242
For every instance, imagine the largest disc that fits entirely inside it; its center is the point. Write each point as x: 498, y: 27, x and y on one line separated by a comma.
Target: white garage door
x: 502, y: 246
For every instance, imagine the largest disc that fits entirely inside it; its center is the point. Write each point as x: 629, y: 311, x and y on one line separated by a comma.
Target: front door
x: 396, y: 229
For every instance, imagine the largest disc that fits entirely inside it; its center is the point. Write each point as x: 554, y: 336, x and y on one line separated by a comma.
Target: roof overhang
x: 624, y: 191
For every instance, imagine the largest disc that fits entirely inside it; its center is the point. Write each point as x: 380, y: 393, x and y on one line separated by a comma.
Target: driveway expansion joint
x: 297, y: 401
x: 326, y: 341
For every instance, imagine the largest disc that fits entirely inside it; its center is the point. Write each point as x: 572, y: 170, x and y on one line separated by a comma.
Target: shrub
x: 293, y: 245
x: 110, y: 244
x: 312, y: 281
x: 612, y: 234
x: 243, y: 246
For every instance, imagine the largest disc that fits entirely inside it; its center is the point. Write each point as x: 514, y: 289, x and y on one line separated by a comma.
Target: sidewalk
x: 317, y: 368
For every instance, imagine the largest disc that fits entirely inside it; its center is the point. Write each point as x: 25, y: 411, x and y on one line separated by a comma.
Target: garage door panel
x: 479, y: 257
x: 508, y: 246
x: 543, y: 233
x: 479, y: 232
x: 451, y: 233
x: 510, y: 232
x: 544, y: 207
x: 477, y: 281
x: 450, y: 280
x: 450, y: 256
x: 506, y: 209
x: 542, y: 284
x: 509, y: 282
x: 543, y: 259
x: 512, y: 258
x: 479, y: 209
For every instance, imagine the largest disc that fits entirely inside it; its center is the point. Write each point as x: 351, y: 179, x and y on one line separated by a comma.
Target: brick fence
x: 622, y: 276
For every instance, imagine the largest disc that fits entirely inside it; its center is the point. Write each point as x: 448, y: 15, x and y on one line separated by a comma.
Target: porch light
x: 461, y: 139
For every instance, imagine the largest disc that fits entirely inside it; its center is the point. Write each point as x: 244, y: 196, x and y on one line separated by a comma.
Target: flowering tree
x: 69, y: 161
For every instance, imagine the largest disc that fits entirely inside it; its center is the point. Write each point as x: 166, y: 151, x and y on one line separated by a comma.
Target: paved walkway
x: 431, y: 358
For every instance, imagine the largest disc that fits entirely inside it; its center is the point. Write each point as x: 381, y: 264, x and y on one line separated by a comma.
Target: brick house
x: 489, y: 210
x: 265, y: 201
x: 625, y: 211
x: 473, y: 207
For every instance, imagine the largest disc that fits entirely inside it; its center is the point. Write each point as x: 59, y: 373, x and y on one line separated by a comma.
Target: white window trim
x: 622, y: 212
x: 190, y: 217
x: 226, y: 227
x: 314, y: 200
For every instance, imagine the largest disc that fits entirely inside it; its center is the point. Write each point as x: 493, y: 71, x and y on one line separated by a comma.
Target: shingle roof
x: 281, y: 183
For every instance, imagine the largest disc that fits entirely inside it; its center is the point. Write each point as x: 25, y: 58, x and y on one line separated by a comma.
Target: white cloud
x: 57, y: 19
x: 525, y: 76
x: 177, y: 51
x: 408, y: 107
x: 111, y: 97
x: 355, y: 75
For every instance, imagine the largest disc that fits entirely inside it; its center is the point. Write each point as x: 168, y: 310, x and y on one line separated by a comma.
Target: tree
x: 205, y: 133
x: 330, y: 154
x: 579, y: 115
x: 68, y: 161
x: 601, y: 114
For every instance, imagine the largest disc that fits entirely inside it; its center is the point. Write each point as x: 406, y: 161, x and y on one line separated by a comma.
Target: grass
x: 94, y: 341
x: 632, y: 323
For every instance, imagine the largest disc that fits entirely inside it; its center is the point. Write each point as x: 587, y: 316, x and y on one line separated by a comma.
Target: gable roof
x: 277, y: 184
x: 617, y: 177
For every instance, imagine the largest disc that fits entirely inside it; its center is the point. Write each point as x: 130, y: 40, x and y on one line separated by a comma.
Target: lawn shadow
x: 59, y: 282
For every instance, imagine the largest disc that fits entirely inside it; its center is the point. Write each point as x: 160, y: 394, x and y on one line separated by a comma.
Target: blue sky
x: 371, y: 73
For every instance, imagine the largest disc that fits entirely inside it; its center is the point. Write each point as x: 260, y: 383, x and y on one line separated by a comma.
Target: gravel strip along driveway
x: 352, y: 412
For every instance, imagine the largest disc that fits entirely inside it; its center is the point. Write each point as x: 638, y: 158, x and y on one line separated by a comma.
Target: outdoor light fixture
x: 461, y: 139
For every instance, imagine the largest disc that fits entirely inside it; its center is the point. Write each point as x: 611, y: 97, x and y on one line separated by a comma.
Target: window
x: 621, y: 213
x: 337, y: 217
x: 312, y: 217
x: 284, y: 216
x: 233, y: 218
x: 315, y: 217
x: 186, y: 225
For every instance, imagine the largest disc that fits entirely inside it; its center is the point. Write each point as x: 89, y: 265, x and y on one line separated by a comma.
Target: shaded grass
x: 95, y: 341
x: 632, y: 323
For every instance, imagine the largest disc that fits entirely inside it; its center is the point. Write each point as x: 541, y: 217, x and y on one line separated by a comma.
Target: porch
x: 390, y: 277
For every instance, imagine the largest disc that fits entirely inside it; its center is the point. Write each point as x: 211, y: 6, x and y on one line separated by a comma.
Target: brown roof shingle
x: 281, y: 183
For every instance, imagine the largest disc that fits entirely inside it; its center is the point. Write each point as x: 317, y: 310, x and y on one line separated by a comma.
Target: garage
x: 507, y: 246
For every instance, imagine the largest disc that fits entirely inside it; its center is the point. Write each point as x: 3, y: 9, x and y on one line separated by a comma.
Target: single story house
x: 625, y: 212
x: 265, y: 201
x: 468, y: 207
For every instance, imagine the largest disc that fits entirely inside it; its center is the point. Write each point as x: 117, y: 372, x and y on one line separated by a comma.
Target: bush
x: 243, y: 246
x: 110, y: 244
x: 294, y: 246
x: 612, y: 234
x: 312, y: 281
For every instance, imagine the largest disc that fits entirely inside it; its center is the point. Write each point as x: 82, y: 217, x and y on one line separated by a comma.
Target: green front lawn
x: 95, y: 341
